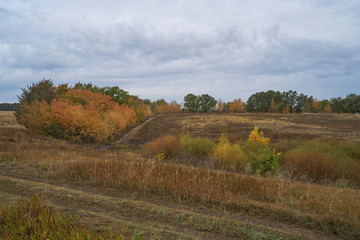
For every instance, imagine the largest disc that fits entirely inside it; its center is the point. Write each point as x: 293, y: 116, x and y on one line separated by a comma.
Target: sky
x: 156, y: 49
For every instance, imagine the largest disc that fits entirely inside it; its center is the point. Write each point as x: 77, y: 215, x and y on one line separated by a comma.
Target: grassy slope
x: 28, y: 160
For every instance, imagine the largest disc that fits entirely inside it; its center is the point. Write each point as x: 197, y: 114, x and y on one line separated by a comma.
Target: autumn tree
x: 173, y: 107
x: 79, y: 114
x: 220, y: 105
x: 37, y: 92
x: 141, y: 109
x: 272, y: 106
x: 237, y: 106
x: 327, y: 108
x: 285, y: 109
x: 315, y: 106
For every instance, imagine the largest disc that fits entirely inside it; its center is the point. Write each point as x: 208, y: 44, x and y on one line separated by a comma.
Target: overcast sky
x: 167, y: 49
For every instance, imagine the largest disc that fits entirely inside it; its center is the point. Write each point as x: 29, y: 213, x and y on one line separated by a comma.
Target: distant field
x: 120, y: 190
x: 7, y: 119
x: 238, y: 126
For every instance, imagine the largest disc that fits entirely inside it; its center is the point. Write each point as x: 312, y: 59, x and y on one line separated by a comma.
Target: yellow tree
x: 237, y: 106
x: 315, y: 106
x: 286, y: 109
x: 272, y: 106
x: 220, y: 105
x: 328, y: 108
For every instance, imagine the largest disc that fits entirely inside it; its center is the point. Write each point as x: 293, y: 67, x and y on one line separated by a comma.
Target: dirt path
x: 125, y: 139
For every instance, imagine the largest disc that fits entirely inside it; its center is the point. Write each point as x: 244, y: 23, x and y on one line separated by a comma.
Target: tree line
x: 274, y: 102
x: 90, y: 113
x: 7, y: 106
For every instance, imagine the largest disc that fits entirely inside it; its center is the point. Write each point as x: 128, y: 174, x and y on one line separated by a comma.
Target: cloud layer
x: 166, y: 49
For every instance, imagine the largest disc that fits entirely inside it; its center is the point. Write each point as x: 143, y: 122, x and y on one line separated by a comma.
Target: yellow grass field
x: 7, y: 119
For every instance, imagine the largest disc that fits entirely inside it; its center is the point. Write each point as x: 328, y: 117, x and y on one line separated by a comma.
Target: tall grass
x: 197, y: 146
x: 168, y: 145
x: 324, y: 160
x: 327, y: 208
x: 32, y: 219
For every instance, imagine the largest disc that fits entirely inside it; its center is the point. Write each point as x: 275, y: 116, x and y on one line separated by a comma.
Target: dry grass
x: 324, y: 161
x: 7, y: 119
x: 326, y: 207
x: 33, y: 219
x: 275, y: 126
x: 168, y: 145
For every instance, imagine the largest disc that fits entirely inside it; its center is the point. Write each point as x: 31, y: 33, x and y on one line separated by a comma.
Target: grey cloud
x: 232, y: 58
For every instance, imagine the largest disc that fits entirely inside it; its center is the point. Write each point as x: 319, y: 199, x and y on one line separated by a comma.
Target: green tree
x: 352, y: 103
x: 117, y: 94
x: 40, y: 91
x: 37, y: 92
x: 206, y: 103
x: 191, y: 103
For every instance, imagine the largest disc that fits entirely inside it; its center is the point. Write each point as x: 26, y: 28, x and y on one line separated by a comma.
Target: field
x: 118, y: 189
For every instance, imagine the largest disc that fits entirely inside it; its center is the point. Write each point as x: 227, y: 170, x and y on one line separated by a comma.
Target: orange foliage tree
x: 237, y: 106
x: 141, y: 109
x: 173, y: 107
x: 79, y: 114
x: 327, y: 108
x: 273, y: 107
x: 220, y: 105
x: 315, y: 106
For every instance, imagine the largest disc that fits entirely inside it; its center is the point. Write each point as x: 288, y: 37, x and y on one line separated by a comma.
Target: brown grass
x: 323, y: 167
x: 7, y: 119
x: 326, y: 207
x: 275, y: 126
x: 168, y: 145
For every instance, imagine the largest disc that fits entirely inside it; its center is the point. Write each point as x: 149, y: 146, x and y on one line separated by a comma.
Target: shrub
x: 197, y: 146
x: 265, y: 162
x: 170, y: 146
x: 228, y: 156
x: 257, y: 140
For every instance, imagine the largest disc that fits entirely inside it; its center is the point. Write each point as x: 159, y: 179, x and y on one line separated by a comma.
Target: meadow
x: 188, y: 176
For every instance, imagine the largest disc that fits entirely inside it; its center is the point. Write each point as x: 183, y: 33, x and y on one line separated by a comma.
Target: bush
x: 256, y: 141
x: 168, y: 145
x: 228, y: 156
x: 197, y: 146
x: 265, y: 162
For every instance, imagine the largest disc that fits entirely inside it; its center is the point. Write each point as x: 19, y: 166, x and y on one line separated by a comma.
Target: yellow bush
x: 228, y: 156
x: 257, y: 138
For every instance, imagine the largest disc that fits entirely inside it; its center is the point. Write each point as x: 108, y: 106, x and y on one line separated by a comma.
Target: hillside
x: 120, y: 190
x: 276, y: 126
